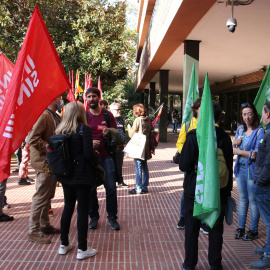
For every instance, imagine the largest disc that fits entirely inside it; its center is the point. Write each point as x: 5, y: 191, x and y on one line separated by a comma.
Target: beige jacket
x: 146, y: 128
x: 39, y: 136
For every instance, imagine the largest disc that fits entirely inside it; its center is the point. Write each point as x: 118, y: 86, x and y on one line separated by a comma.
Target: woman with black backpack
x: 77, y: 187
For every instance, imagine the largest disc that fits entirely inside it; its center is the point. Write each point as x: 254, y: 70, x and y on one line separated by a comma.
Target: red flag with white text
x: 38, y: 78
x: 6, y: 69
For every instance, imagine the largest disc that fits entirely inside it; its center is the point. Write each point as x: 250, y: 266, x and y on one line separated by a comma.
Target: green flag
x: 193, y: 94
x: 263, y: 94
x: 207, y: 193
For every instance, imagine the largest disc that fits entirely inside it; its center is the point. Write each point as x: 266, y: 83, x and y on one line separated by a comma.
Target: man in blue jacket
x: 262, y: 187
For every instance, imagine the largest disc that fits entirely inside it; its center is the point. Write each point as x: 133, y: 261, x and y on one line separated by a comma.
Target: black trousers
x: 192, y: 230
x: 73, y: 193
x: 119, y: 158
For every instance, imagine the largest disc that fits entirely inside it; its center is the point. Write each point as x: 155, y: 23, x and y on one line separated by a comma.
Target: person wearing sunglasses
x: 247, y: 138
x: 115, y: 109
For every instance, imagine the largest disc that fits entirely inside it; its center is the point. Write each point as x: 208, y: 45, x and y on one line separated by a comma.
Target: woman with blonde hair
x: 77, y: 188
x: 142, y: 173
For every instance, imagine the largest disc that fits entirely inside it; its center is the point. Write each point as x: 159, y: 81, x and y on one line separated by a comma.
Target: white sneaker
x: 64, y: 249
x: 86, y: 254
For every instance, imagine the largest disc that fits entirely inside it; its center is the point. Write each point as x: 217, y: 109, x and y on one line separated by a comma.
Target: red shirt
x: 97, y: 123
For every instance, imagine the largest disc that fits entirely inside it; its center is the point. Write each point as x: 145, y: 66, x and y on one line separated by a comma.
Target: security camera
x: 231, y: 24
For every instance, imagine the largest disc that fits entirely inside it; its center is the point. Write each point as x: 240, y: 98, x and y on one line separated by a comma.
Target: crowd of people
x: 92, y: 138
x: 252, y: 177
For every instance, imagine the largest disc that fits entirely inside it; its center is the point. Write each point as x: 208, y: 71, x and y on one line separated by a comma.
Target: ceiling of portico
x: 223, y: 54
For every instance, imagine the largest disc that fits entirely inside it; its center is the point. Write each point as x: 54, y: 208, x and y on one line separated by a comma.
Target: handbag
x: 153, y: 141
x: 135, y: 148
x: 99, y: 175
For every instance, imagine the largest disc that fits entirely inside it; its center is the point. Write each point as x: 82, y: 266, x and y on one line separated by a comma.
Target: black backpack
x: 59, y: 157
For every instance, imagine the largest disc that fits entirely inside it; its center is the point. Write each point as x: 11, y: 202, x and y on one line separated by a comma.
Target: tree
x: 15, y: 16
x: 88, y: 35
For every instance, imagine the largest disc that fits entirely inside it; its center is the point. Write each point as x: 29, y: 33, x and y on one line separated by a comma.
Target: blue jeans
x: 262, y: 195
x: 108, y: 165
x: 175, y: 125
x: 142, y: 175
x: 246, y: 197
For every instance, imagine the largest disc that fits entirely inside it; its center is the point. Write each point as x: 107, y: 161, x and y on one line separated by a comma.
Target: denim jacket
x: 253, y: 142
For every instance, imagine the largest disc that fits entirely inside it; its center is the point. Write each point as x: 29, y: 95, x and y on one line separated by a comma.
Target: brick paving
x: 148, y: 238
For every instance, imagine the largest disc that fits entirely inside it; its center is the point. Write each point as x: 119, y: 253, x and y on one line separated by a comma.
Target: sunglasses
x: 119, y: 110
x: 247, y: 104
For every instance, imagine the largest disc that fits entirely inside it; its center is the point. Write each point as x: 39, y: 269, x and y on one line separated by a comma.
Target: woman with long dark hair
x: 247, y: 139
x: 78, y: 187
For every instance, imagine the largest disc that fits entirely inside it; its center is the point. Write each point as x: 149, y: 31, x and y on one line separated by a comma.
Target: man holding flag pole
x: 189, y: 122
x: 204, y: 200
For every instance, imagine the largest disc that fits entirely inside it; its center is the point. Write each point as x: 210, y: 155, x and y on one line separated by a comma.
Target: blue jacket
x: 253, y: 142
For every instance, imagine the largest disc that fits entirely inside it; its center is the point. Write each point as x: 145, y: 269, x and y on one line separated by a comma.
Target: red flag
x: 87, y: 84
x: 99, y: 87
x: 38, y: 78
x: 70, y: 95
x: 156, y: 119
x: 6, y: 69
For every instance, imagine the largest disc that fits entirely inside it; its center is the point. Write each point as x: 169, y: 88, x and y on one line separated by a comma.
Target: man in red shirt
x: 100, y: 120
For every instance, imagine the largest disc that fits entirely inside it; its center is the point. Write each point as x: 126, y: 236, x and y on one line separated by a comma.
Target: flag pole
x: 156, y: 110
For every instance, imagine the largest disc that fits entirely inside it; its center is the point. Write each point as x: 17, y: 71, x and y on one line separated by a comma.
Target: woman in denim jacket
x: 247, y: 138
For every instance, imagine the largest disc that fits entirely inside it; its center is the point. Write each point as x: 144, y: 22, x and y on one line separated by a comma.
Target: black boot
x: 23, y: 181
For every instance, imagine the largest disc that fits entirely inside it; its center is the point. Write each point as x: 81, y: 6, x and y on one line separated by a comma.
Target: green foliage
x: 89, y: 36
x: 123, y: 93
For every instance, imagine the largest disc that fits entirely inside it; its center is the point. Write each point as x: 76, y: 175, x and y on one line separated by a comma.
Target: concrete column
x: 191, y: 54
x: 152, y: 107
x: 171, y: 103
x: 163, y: 93
x: 181, y: 102
x: 142, y: 98
x: 146, y: 95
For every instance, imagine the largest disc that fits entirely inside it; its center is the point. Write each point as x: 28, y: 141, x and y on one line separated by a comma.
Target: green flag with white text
x: 263, y: 94
x: 207, y: 193
x: 193, y: 94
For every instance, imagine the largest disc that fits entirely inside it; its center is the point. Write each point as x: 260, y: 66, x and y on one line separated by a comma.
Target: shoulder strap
x: 87, y: 116
x: 258, y: 131
x: 241, y: 130
x: 107, y: 117
x: 81, y: 130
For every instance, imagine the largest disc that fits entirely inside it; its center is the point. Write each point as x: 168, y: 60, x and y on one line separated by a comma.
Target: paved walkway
x: 148, y: 238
